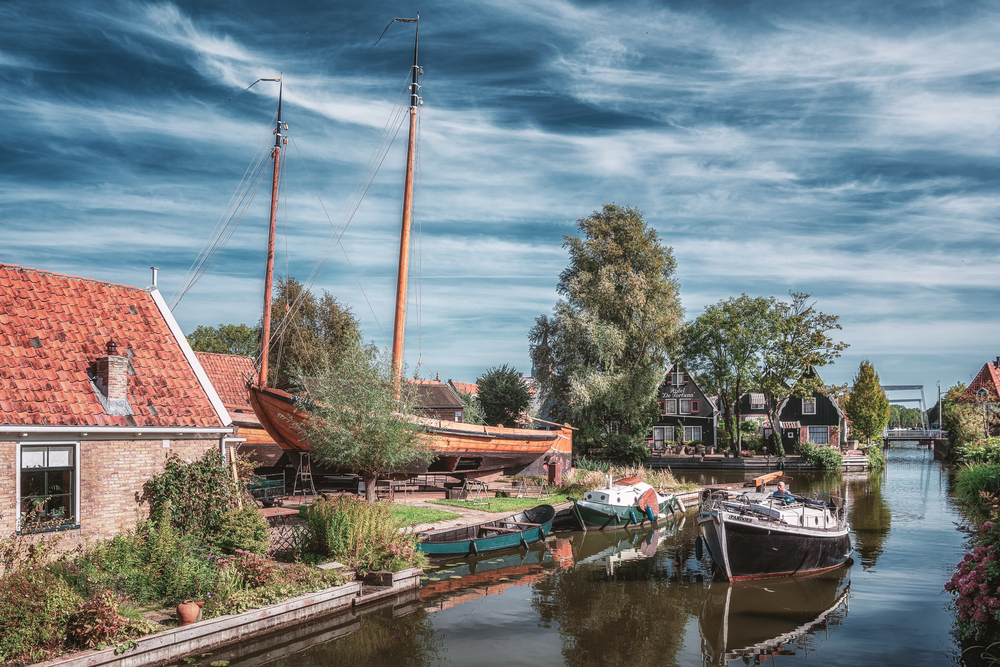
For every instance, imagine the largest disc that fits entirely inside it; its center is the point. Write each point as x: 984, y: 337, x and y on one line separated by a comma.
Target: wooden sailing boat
x: 461, y: 450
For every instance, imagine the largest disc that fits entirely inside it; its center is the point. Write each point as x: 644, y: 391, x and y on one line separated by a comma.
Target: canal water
x: 644, y: 599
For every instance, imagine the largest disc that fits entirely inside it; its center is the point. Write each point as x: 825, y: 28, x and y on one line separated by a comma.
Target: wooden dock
x: 853, y: 460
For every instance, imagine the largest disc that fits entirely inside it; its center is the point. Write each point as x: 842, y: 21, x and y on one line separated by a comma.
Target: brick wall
x: 111, y: 477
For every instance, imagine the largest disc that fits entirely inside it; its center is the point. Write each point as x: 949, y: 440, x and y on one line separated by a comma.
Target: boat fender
x: 524, y: 542
x: 631, y: 518
x: 698, y: 548
x: 650, y: 513
x: 680, y: 505
x: 473, y: 549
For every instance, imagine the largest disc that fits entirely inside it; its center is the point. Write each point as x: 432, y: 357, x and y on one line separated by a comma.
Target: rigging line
x: 241, y: 187
x: 369, y: 174
x: 374, y: 316
x: 349, y: 214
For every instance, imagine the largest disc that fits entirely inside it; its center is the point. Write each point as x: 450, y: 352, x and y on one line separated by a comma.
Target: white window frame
x: 458, y: 416
x: 659, y: 442
x: 77, y: 464
x: 679, y: 379
x: 670, y: 406
x: 684, y: 406
x: 809, y: 402
x: 668, y: 434
x: 756, y: 406
x: 692, y: 433
x: 826, y: 440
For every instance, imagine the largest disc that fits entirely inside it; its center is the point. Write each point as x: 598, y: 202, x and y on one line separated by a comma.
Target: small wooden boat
x: 622, y: 504
x: 752, y: 534
x: 517, y: 530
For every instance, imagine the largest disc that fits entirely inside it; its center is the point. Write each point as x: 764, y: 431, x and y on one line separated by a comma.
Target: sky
x: 846, y: 150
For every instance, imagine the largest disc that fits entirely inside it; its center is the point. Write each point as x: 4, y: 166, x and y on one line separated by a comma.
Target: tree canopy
x: 237, y: 339
x: 866, y: 404
x: 600, y: 357
x: 309, y: 332
x: 503, y: 396
x: 357, y: 417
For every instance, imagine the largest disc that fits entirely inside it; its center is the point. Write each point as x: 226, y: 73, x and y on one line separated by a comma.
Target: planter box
x: 176, y: 643
x: 395, y: 579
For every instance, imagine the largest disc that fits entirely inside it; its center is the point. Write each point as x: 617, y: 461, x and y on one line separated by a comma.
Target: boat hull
x: 604, y: 516
x: 744, y: 551
x: 491, y: 535
x: 460, y: 450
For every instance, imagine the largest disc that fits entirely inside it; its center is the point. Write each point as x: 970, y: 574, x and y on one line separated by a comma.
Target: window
x: 675, y: 379
x: 808, y: 406
x: 756, y: 401
x: 694, y: 406
x: 668, y: 434
x: 47, y: 485
x: 670, y: 406
x: 685, y: 406
x: 663, y: 407
x: 658, y: 438
x: 819, y: 435
x: 692, y: 433
x: 458, y: 415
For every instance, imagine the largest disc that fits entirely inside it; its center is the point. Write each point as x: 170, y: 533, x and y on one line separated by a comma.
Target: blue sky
x: 847, y: 150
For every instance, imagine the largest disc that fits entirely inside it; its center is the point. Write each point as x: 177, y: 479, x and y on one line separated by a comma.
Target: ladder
x: 304, y: 475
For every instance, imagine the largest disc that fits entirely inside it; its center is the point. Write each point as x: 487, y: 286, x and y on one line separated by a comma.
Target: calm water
x: 643, y: 599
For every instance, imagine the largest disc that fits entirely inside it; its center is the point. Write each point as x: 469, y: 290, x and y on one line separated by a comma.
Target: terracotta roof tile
x: 73, y: 318
x: 228, y: 374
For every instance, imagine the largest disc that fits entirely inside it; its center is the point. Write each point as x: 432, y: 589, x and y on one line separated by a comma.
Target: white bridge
x: 898, y: 434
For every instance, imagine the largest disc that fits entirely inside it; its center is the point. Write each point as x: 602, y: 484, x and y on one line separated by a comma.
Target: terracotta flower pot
x: 188, y: 612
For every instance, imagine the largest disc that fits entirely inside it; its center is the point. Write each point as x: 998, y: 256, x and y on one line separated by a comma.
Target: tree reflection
x: 636, y: 616
x: 870, y: 518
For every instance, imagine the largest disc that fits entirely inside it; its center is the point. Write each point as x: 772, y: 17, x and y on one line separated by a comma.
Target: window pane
x: 33, y: 457
x: 32, y: 483
x: 671, y: 408
x: 685, y: 406
x: 59, y: 481
x: 60, y: 457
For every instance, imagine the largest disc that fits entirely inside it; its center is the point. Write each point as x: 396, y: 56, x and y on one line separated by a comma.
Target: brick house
x: 687, y: 414
x: 988, y: 378
x: 97, y: 387
x: 817, y: 419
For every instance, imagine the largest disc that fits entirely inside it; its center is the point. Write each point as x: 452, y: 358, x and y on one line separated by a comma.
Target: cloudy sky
x: 848, y: 150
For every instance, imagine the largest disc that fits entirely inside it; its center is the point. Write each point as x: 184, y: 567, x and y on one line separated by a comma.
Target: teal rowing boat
x: 516, y: 530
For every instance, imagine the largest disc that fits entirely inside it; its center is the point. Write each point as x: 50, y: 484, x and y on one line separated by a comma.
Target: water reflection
x: 756, y: 621
x: 870, y: 517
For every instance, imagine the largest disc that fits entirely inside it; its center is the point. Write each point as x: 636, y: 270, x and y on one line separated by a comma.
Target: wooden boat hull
x: 461, y: 450
x: 603, y: 516
x: 491, y: 535
x: 743, y: 550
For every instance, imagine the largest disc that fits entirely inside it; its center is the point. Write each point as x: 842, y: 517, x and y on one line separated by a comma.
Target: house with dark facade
x: 817, y: 419
x: 687, y: 414
x: 437, y: 400
x: 98, y: 386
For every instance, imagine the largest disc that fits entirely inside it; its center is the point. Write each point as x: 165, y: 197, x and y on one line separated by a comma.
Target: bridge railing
x: 913, y: 434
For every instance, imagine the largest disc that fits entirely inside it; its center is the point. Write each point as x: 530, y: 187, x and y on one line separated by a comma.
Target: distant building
x: 97, y: 387
x: 438, y: 400
x: 988, y: 379
x: 687, y: 414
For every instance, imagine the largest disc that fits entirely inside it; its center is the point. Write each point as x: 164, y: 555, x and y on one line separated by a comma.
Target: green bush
x: 876, y: 459
x: 242, y: 529
x: 35, y: 608
x: 195, y: 494
x: 984, y: 450
x: 102, y: 620
x: 978, y: 485
x: 828, y: 458
x: 362, y: 535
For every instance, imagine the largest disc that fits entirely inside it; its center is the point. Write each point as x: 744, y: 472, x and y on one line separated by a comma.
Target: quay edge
x: 851, y: 463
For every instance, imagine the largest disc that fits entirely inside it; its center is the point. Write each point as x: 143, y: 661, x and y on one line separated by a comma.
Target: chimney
x: 997, y: 363
x: 112, y: 374
x: 154, y: 270
x: 437, y: 377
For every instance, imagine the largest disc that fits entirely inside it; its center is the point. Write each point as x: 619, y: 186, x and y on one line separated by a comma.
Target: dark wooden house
x: 817, y: 419
x: 687, y: 415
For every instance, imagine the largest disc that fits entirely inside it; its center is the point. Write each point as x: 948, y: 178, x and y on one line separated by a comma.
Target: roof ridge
x: 226, y: 354
x: 19, y: 268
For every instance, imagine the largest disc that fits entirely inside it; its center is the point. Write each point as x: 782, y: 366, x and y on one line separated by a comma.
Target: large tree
x: 801, y: 341
x: 503, y: 396
x: 237, y: 339
x: 600, y: 357
x: 308, y: 332
x: 358, y: 419
x: 725, y: 347
x: 866, y: 404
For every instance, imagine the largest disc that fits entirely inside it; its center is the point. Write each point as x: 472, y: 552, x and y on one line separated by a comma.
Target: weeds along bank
x: 199, y: 543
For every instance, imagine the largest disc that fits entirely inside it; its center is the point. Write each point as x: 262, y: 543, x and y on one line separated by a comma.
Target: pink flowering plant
x: 976, y: 584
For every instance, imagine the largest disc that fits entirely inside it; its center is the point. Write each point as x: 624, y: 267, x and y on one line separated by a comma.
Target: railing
x: 913, y: 434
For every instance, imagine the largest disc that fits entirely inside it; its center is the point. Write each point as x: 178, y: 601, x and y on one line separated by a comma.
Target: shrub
x: 196, y: 495
x: 362, y: 535
x: 976, y: 584
x: 984, y: 450
x: 828, y: 458
x: 242, y: 529
x: 100, y: 621
x: 35, y: 607
x: 876, y: 459
x: 976, y: 483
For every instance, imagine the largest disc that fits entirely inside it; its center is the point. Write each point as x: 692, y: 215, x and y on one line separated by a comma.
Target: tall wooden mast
x: 265, y: 334
x: 404, y: 234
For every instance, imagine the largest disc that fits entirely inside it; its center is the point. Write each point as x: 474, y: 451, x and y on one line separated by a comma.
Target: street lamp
x: 982, y: 396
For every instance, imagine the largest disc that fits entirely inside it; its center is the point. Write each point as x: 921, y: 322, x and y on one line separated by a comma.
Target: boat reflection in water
x: 757, y: 620
x: 614, y: 549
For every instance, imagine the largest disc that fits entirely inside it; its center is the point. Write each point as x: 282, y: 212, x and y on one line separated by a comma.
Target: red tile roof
x: 228, y: 373
x: 54, y: 326
x: 988, y: 378
x: 465, y: 387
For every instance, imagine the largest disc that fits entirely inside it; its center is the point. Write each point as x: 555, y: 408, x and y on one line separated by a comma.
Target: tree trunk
x: 370, y: 482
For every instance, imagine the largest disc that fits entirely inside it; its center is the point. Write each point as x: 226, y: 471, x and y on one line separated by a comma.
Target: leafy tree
x: 963, y: 421
x: 867, y: 405
x: 308, y: 333
x: 473, y: 412
x: 357, y: 418
x: 226, y: 339
x: 503, y: 395
x: 800, y: 344
x: 725, y: 346
x: 902, y: 416
x: 600, y: 357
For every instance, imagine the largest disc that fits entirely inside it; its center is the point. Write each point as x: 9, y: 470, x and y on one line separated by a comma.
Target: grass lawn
x: 408, y: 515
x: 508, y: 505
